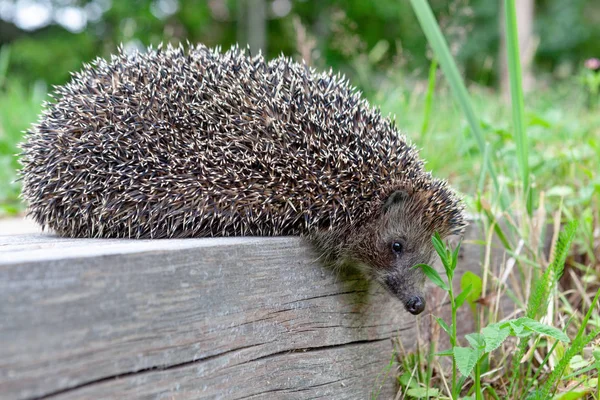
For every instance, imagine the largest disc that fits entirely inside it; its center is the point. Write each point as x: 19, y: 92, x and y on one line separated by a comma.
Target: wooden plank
x: 196, y: 318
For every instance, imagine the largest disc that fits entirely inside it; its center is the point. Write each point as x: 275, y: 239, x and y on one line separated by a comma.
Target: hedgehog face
x: 392, y: 245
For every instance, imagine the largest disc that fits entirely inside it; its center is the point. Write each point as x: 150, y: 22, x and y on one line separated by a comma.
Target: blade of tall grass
x: 429, y: 98
x: 518, y: 104
x: 4, y: 59
x: 486, y: 156
x: 440, y: 47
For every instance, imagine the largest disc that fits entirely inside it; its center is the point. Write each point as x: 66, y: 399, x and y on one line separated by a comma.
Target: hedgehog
x: 188, y: 141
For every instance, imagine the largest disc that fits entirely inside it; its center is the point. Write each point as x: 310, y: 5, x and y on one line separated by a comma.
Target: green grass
x: 518, y: 106
x: 551, y: 148
x: 442, y: 52
x: 20, y: 105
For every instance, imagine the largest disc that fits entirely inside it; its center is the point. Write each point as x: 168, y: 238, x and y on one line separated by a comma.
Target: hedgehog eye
x: 397, y: 247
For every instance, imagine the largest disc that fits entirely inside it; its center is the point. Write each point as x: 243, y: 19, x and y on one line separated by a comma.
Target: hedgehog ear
x: 396, y: 197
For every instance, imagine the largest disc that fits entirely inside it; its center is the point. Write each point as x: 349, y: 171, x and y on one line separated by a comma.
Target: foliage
x: 344, y: 30
x: 472, y: 360
x: 469, y: 360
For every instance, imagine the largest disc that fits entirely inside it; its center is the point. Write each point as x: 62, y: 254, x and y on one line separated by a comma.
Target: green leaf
x: 547, y: 330
x: 407, y: 380
x: 432, y: 275
x: 440, y: 249
x: 578, y: 362
x: 445, y: 353
x: 474, y: 281
x: 517, y: 328
x: 421, y: 393
x: 596, y: 354
x: 460, y: 299
x: 465, y: 358
x: 571, y: 395
x: 476, y: 340
x: 438, y: 244
x: 443, y: 324
x: 455, y: 256
x: 494, y: 336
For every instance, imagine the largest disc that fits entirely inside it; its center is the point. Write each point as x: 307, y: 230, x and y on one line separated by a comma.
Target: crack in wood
x: 353, y: 292
x: 311, y: 387
x: 160, y: 368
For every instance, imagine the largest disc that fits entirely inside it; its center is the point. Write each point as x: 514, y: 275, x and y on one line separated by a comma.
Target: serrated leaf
x: 443, y: 324
x: 494, y: 336
x: 476, y: 340
x: 421, y: 393
x: 470, y: 279
x: 433, y: 276
x: 547, y: 330
x: 578, y: 362
x: 460, y: 299
x: 465, y: 358
x: 517, y: 328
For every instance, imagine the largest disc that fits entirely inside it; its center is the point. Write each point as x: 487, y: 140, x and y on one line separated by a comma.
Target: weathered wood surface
x: 224, y: 318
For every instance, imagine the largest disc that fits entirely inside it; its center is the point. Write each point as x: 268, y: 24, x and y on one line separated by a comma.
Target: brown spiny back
x: 181, y: 143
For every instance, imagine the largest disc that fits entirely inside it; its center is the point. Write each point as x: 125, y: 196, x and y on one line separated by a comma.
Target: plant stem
x: 477, y: 382
x: 430, y: 358
x: 453, y: 338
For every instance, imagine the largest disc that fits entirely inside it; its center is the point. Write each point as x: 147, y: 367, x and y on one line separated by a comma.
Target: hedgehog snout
x: 407, y: 289
x: 415, y: 305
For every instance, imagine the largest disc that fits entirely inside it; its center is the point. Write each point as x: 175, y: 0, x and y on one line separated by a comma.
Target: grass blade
x: 4, y: 60
x: 429, y: 98
x: 518, y: 104
x: 440, y: 47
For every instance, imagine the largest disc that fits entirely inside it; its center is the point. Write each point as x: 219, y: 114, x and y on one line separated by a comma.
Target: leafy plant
x: 542, y: 288
x: 466, y: 360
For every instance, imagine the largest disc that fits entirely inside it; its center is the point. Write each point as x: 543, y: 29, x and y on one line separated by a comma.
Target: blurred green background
x: 379, y: 45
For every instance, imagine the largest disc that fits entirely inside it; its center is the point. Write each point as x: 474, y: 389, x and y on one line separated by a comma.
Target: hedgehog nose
x: 415, y: 305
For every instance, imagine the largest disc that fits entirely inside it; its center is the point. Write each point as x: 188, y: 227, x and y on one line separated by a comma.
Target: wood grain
x: 224, y: 318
